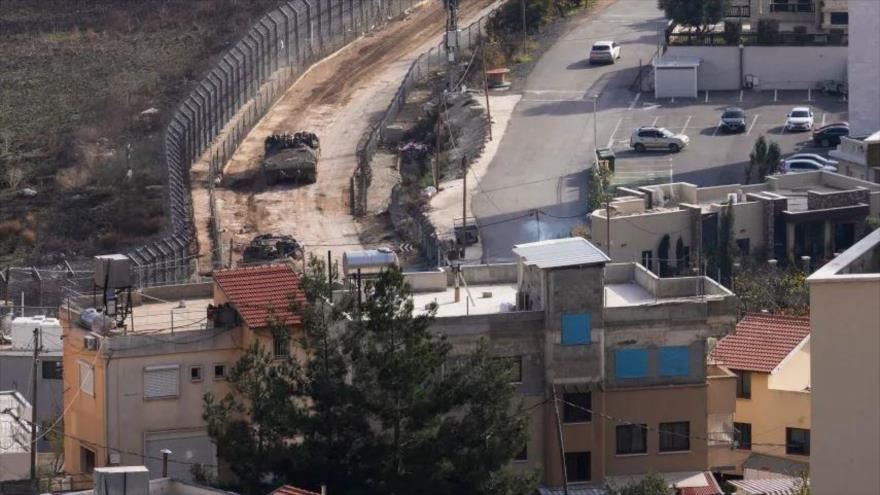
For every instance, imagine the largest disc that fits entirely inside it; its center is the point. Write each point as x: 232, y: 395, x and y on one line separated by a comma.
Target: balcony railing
x: 738, y: 11
x: 793, y: 8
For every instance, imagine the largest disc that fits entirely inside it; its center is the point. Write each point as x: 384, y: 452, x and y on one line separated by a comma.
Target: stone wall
x: 823, y: 200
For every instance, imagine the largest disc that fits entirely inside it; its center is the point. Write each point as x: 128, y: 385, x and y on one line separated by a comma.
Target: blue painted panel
x: 674, y: 361
x: 576, y: 329
x: 631, y: 363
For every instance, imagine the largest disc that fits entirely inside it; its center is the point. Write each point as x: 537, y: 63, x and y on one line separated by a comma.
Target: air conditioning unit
x: 90, y: 343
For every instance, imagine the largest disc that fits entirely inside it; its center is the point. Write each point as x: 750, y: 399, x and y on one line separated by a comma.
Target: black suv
x: 830, y: 134
x: 733, y: 120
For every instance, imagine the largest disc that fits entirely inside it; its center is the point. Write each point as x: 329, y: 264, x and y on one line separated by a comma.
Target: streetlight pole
x: 596, y: 129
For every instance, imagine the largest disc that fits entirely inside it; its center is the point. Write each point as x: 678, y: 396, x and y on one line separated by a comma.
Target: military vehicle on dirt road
x: 291, y: 157
x: 270, y: 247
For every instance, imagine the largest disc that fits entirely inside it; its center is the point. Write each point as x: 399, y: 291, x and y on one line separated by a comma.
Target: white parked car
x: 791, y: 166
x: 604, y: 51
x: 799, y: 119
x: 811, y: 156
x: 645, y: 138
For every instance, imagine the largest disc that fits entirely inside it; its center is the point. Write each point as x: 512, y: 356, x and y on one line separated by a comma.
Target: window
x: 577, y: 408
x: 631, y: 363
x: 195, y: 373
x: 647, y: 257
x: 86, y: 459
x: 743, y: 246
x: 522, y: 455
x: 646, y: 134
x: 515, y: 367
x: 577, y: 466
x: 281, y: 346
x: 632, y: 439
x: 219, y: 371
x: 675, y: 437
x: 743, y: 385
x: 161, y: 381
x: 742, y: 433
x: 86, y: 378
x: 840, y: 18
x: 576, y: 329
x: 797, y: 441
x: 674, y: 361
x: 52, y: 370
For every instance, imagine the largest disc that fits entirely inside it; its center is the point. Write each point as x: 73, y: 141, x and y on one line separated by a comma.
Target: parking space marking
x: 611, y: 139
x: 809, y: 94
x: 654, y: 124
x: 686, y: 122
x: 740, y: 96
x: 775, y: 95
x: 784, y: 127
x: 707, y: 96
x: 754, y: 121
x: 635, y: 100
x: 823, y: 118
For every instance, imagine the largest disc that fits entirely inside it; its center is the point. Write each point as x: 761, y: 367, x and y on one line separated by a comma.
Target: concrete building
x: 132, y: 392
x: 814, y: 15
x: 811, y: 214
x: 15, y: 435
x: 770, y: 355
x: 859, y: 158
x: 864, y: 67
x: 622, y: 351
x: 845, y: 368
x: 135, y: 480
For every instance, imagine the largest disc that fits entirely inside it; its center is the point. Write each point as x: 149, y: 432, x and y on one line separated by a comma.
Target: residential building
x: 622, y: 351
x: 770, y: 355
x: 15, y: 436
x: 131, y: 392
x: 864, y: 67
x: 812, y: 214
x: 814, y: 15
x: 859, y: 158
x: 845, y: 371
x: 136, y: 480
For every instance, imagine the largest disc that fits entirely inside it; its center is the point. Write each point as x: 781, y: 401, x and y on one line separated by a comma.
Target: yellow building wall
x: 770, y: 412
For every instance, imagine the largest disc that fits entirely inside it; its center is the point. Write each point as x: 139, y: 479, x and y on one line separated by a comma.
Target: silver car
x: 659, y: 138
x: 795, y: 165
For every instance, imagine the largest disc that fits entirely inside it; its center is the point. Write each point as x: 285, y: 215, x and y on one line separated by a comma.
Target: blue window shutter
x: 674, y: 361
x: 576, y: 329
x: 631, y: 363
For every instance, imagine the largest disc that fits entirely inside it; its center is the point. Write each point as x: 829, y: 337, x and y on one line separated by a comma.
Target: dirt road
x: 337, y: 99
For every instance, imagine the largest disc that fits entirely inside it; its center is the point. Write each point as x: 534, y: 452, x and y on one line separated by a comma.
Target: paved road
x: 535, y: 187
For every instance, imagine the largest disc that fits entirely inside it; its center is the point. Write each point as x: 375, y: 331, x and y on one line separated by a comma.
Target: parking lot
x: 713, y: 157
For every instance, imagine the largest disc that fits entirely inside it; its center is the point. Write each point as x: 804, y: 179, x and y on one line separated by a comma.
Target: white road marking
x: 654, y: 124
x: 809, y: 94
x: 707, y: 97
x: 784, y: 127
x: 635, y: 101
x: 717, y: 128
x: 754, y: 120
x: 672, y: 100
x: 552, y: 91
x: 740, y: 95
x: 775, y: 95
x: 823, y: 118
x: 686, y: 123
x: 611, y: 139
x: 843, y: 98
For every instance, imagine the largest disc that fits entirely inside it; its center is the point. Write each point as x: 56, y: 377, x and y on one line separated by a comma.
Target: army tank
x: 291, y: 157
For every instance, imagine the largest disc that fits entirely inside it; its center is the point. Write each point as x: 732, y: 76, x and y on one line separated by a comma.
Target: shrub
x: 768, y: 31
x: 732, y: 32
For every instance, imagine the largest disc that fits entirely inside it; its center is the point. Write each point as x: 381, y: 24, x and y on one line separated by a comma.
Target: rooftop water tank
x: 114, y: 270
x: 369, y: 262
x: 22, y: 333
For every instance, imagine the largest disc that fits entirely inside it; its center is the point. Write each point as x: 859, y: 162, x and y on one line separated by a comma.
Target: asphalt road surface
x: 535, y: 187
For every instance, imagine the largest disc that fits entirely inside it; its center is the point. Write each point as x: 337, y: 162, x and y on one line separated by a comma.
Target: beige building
x: 845, y: 321
x: 134, y: 391
x: 859, y: 158
x: 812, y: 214
x: 815, y: 15
x: 622, y: 351
x: 770, y: 355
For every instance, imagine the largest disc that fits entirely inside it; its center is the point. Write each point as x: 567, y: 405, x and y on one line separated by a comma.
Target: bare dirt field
x: 337, y: 99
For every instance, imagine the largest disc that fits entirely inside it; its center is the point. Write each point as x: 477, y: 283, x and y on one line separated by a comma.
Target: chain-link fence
x: 419, y: 71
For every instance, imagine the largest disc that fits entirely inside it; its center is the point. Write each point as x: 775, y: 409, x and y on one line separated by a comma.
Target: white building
x: 864, y: 66
x: 15, y: 435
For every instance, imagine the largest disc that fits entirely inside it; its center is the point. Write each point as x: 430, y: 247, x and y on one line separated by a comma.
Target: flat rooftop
x: 162, y: 316
x: 501, y: 299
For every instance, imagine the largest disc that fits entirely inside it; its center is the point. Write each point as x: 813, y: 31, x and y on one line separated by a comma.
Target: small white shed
x: 675, y: 77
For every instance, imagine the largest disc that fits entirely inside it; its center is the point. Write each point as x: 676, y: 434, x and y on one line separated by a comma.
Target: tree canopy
x: 390, y: 409
x: 695, y: 14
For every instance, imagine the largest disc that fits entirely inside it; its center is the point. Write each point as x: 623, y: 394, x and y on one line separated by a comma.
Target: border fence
x: 212, y: 121
x: 422, y: 68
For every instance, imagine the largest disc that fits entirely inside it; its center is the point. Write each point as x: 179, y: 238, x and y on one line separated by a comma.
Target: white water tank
x: 22, y: 332
x: 369, y: 262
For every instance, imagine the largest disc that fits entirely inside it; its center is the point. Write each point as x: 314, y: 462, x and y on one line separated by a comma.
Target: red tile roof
x: 711, y: 488
x: 761, y: 342
x: 292, y: 490
x: 257, y: 291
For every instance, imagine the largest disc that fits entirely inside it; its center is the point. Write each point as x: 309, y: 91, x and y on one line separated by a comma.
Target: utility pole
x: 486, y: 83
x: 596, y: 129
x: 451, y: 43
x: 463, y: 205
x: 561, y: 444
x: 608, y: 226
x: 34, y: 406
x: 525, y: 40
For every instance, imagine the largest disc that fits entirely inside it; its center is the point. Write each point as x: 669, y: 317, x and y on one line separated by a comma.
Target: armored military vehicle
x: 291, y: 157
x: 271, y: 247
